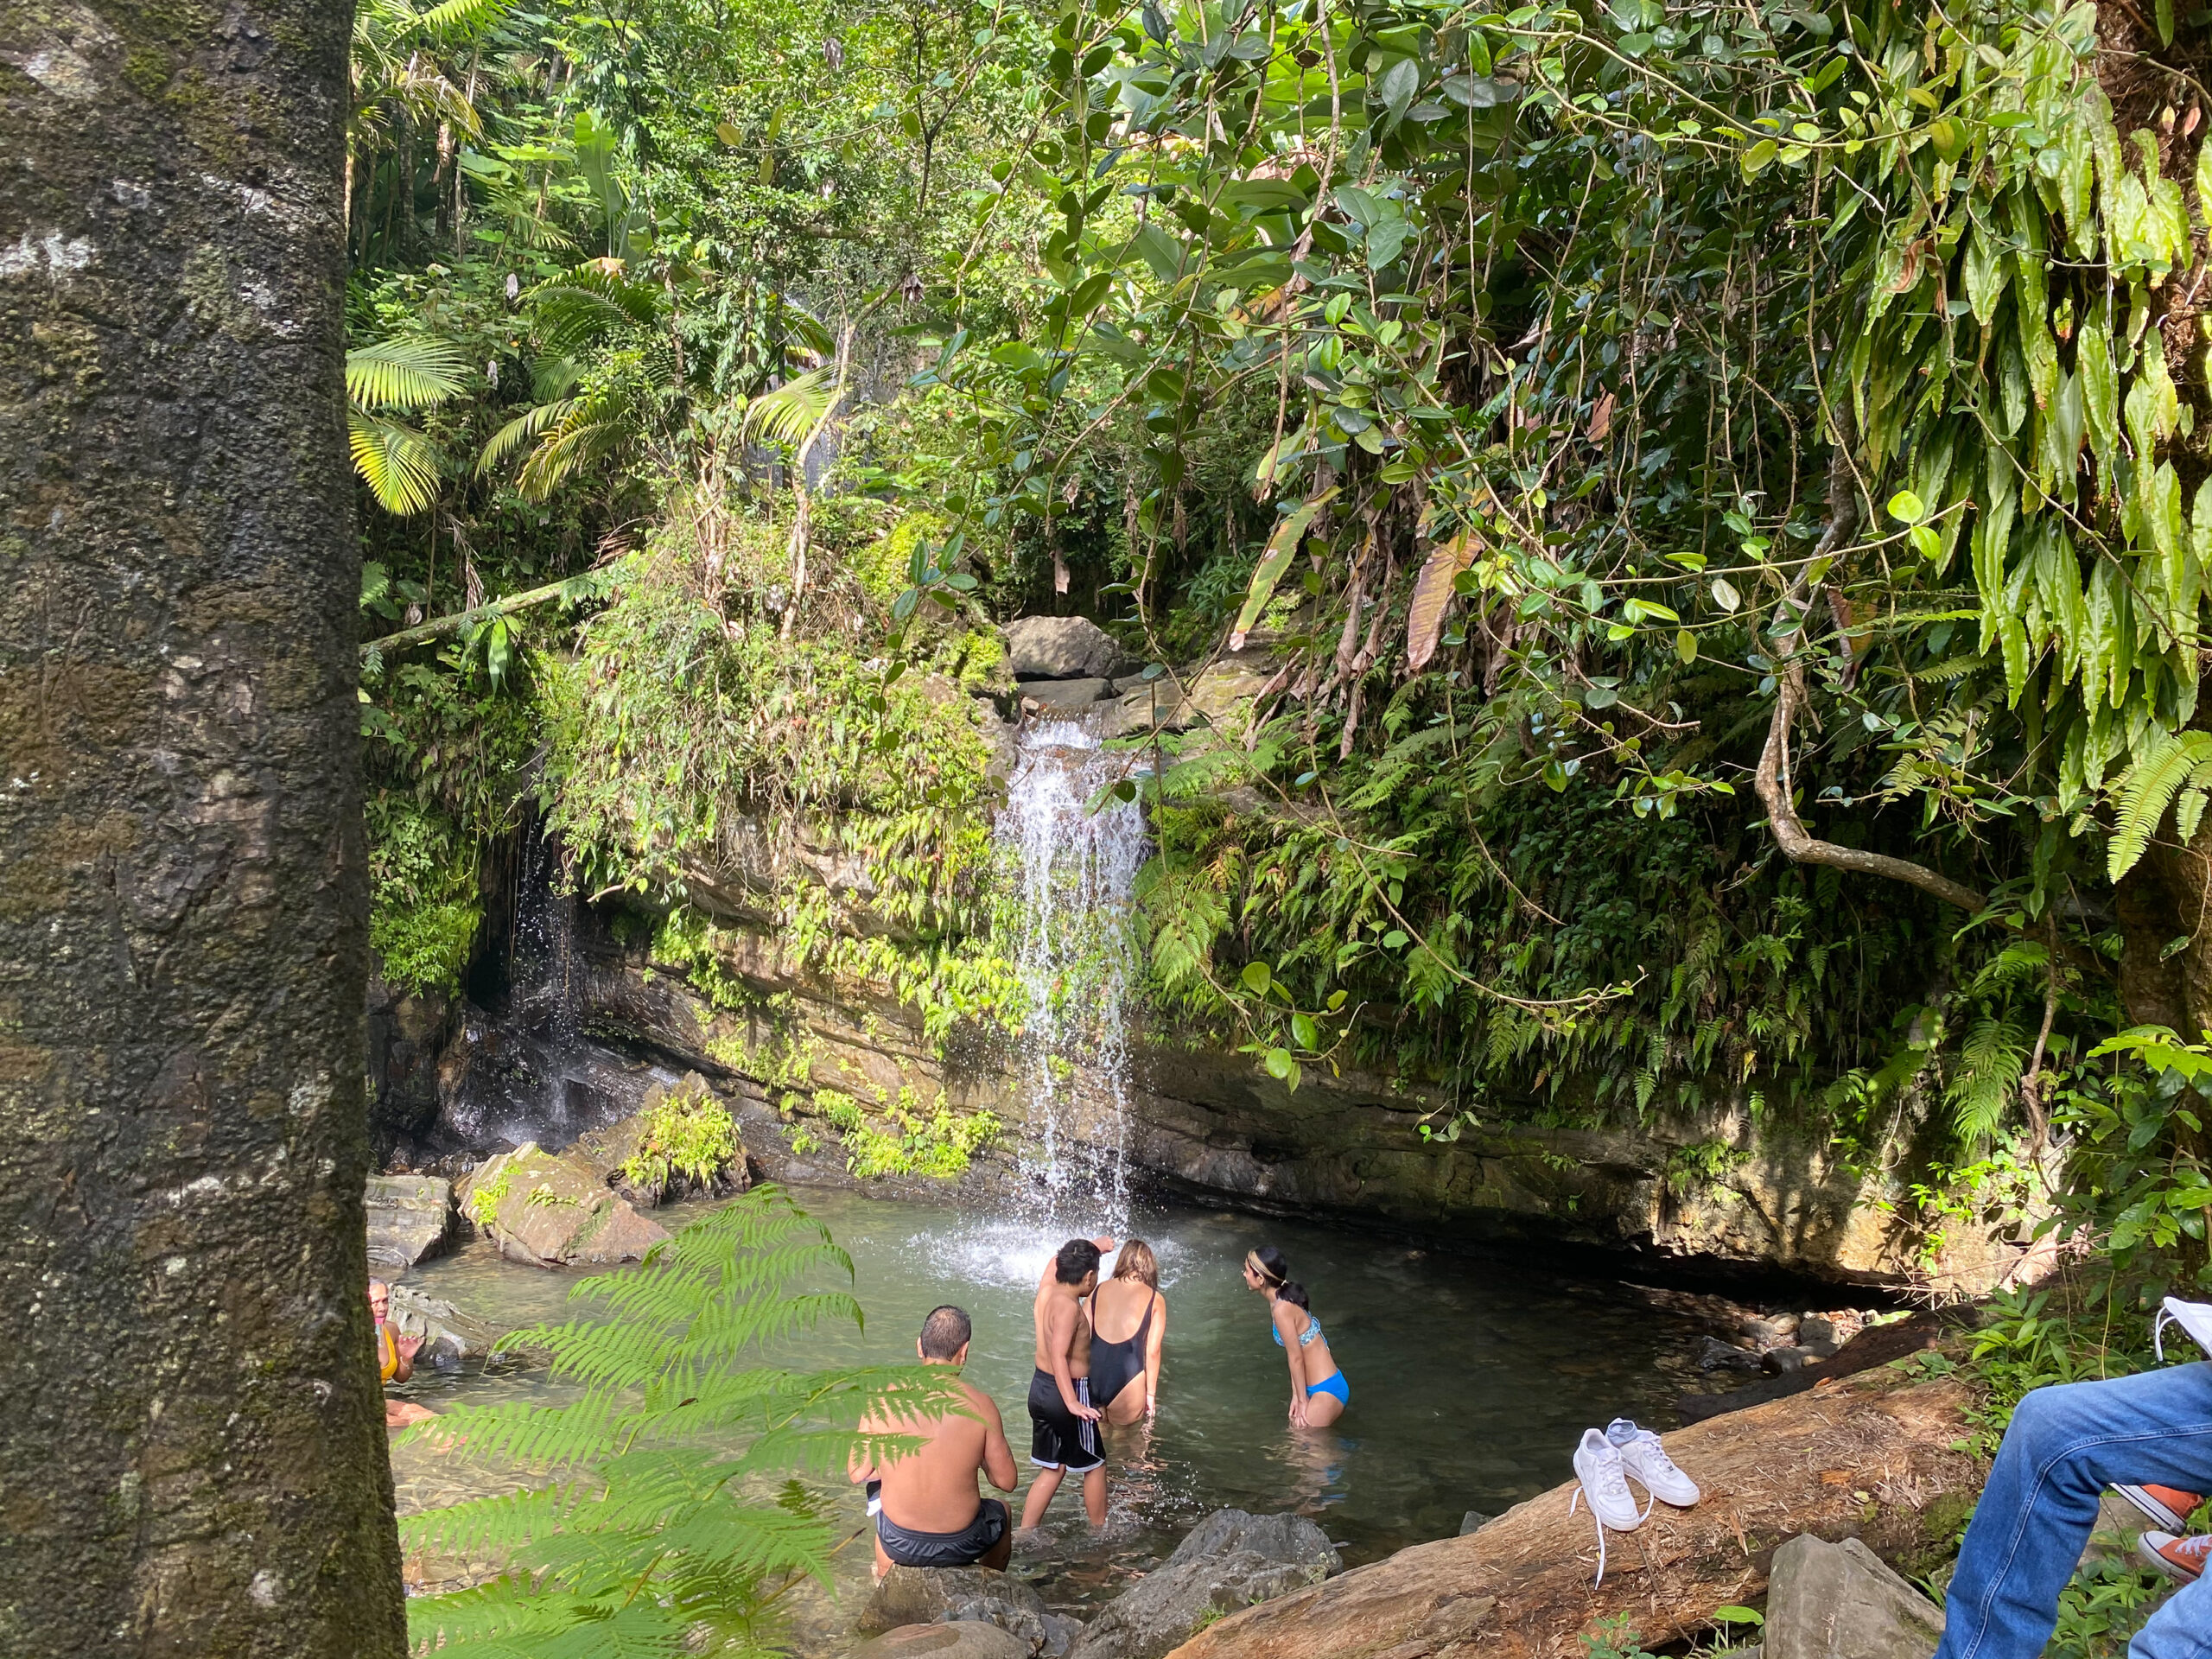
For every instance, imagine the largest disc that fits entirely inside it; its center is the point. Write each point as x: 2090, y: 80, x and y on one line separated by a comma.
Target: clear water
x: 1471, y: 1377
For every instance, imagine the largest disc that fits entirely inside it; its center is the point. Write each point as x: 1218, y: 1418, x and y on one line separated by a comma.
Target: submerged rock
x: 450, y: 1337
x: 1230, y: 1560
x: 930, y: 1595
x: 1842, y: 1601
x: 551, y: 1211
x: 957, y: 1639
x: 411, y: 1218
x: 1060, y: 648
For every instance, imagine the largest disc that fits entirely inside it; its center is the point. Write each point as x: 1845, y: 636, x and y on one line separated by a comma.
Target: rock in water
x: 1288, y: 1538
x: 1060, y: 648
x: 449, y: 1337
x: 1065, y: 696
x: 410, y: 1216
x: 961, y: 1639
x: 928, y: 1595
x: 1230, y: 1560
x: 551, y: 1211
x: 1473, y: 1520
x: 1842, y: 1601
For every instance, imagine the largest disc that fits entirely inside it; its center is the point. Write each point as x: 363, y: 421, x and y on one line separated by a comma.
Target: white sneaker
x: 1597, y: 1465
x: 1644, y: 1460
x: 2195, y: 1318
x: 1604, y: 1486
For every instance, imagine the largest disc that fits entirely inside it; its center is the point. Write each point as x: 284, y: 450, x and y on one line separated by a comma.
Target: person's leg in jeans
x: 2064, y: 1446
x: 2182, y: 1629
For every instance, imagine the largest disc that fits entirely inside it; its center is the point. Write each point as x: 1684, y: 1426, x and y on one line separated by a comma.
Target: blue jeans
x: 2065, y: 1446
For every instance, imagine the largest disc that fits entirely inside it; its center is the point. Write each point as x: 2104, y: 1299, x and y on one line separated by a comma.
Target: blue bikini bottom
x: 1334, y: 1383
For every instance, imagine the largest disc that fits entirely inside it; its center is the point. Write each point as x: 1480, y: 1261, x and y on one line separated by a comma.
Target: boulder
x: 551, y: 1211
x: 930, y: 1595
x: 1473, y: 1520
x: 450, y: 1337
x: 1060, y: 648
x: 964, y: 1638
x: 1065, y: 696
x: 1288, y: 1538
x: 606, y: 1151
x: 1230, y: 1560
x: 1841, y: 1601
x: 410, y: 1216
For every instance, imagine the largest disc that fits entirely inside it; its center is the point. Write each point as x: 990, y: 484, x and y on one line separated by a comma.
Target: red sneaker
x: 2179, y: 1559
x: 2169, y: 1506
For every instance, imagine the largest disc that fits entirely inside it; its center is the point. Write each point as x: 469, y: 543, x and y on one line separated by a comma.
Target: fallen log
x: 1867, y: 1457
x: 1876, y: 1345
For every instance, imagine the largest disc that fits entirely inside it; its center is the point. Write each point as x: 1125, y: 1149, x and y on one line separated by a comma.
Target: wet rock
x: 1290, y: 1538
x: 1815, y: 1327
x: 450, y: 1337
x: 1841, y: 1601
x: 1061, y: 1634
x: 1063, y: 697
x: 928, y: 1595
x: 1230, y: 1560
x: 1715, y: 1355
x: 1772, y: 1332
x: 1473, y: 1521
x: 962, y: 1639
x: 411, y: 1218
x: 1060, y: 648
x: 608, y: 1151
x: 551, y: 1211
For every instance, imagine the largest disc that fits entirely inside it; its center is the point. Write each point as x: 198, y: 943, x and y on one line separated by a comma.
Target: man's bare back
x: 928, y: 1512
x: 932, y: 1487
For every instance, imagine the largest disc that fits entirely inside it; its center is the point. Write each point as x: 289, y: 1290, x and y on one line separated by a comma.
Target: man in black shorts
x: 929, y: 1514
x: 1065, y: 1424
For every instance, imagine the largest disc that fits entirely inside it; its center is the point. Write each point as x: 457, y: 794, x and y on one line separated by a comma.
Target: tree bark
x: 191, y: 1461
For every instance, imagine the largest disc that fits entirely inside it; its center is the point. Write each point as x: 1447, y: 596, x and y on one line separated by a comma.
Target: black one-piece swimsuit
x: 1114, y: 1365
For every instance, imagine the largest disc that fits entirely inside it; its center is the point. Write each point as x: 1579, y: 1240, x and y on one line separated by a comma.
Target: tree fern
x: 665, y: 1510
x: 1986, y: 1078
x: 2165, y: 767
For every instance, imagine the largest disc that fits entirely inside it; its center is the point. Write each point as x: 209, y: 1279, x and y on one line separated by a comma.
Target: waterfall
x: 1075, y: 872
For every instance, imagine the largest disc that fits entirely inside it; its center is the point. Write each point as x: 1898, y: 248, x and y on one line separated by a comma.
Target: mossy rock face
x: 551, y: 1210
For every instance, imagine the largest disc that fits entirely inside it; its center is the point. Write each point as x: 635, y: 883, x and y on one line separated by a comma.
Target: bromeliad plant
x: 670, y: 1506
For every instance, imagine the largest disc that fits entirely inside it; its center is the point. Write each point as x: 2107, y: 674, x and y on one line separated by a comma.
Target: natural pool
x: 1471, y: 1375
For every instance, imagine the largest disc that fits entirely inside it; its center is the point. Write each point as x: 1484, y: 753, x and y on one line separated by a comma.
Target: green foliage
x: 904, y: 1138
x: 666, y: 1508
x: 687, y: 1142
x: 485, y: 1197
x: 689, y: 746
x: 424, y: 910
x: 1613, y: 1638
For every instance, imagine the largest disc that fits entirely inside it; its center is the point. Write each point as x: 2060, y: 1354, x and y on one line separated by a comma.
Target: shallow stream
x: 1472, y: 1377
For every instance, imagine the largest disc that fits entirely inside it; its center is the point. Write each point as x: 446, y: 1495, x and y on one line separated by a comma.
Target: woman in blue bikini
x: 1318, y: 1392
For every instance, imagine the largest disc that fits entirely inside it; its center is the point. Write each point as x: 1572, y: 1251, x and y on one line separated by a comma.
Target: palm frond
x: 786, y: 415
x: 525, y: 429
x: 408, y: 372
x: 398, y: 464
x: 464, y: 18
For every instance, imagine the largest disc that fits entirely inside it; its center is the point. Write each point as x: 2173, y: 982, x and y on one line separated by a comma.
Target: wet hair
x: 945, y: 1332
x: 1077, y: 1257
x: 1137, y: 1262
x: 1269, y: 1263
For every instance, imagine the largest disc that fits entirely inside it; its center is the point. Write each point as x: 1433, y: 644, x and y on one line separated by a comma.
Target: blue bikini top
x: 1305, y: 1338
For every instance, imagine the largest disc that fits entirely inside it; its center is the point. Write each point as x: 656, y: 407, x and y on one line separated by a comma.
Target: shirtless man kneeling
x: 931, y: 1514
x: 1065, y: 1423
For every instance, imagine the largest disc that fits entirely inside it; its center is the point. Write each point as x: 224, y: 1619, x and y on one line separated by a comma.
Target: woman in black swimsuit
x: 1128, y: 1322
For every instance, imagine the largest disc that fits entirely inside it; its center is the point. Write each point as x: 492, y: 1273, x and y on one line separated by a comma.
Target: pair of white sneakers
x: 1604, y: 1463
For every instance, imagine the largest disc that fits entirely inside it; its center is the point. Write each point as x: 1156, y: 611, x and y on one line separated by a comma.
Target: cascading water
x: 1073, y: 950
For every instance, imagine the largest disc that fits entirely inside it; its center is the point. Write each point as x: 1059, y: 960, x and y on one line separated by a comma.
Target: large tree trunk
x: 191, y: 1455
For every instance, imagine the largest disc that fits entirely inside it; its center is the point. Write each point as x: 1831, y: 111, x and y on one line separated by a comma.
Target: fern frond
x: 408, y: 372
x: 464, y: 18
x: 1990, y: 1061
x: 2164, y: 766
